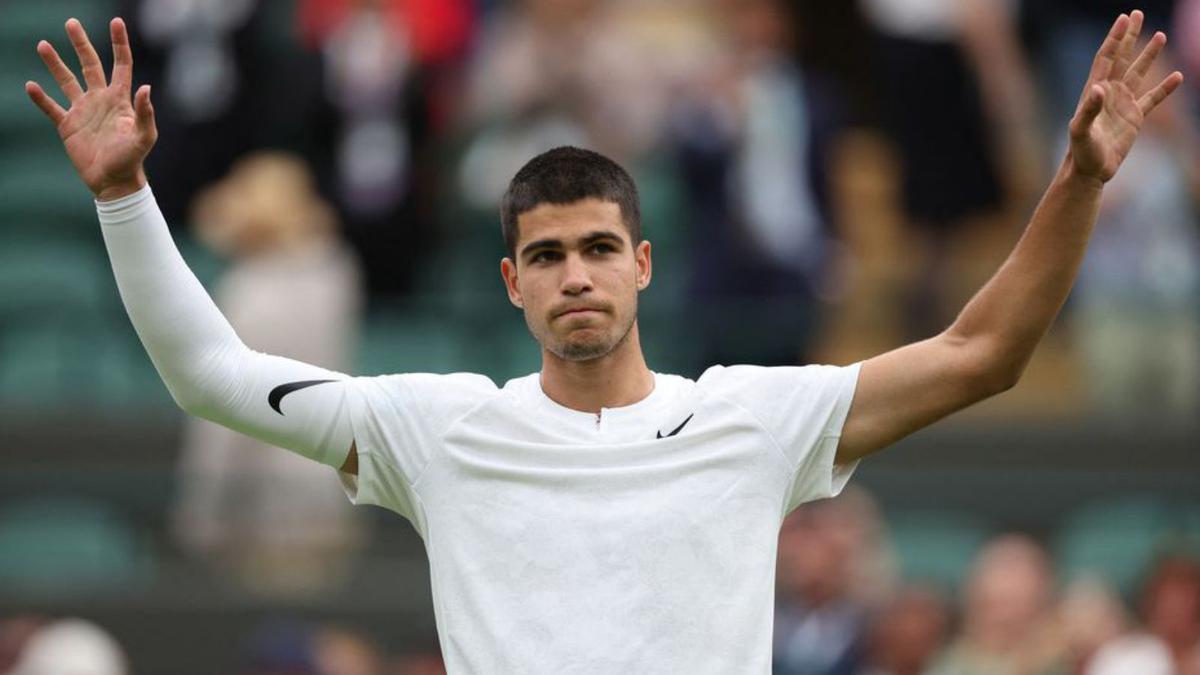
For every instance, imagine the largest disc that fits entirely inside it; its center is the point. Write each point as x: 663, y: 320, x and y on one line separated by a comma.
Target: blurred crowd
x: 843, y: 608
x: 72, y: 646
x: 822, y: 181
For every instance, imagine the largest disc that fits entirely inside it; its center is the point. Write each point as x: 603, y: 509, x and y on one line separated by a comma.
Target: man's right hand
x: 106, y: 136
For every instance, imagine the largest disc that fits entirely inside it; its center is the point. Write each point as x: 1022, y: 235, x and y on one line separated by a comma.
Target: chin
x: 583, y: 350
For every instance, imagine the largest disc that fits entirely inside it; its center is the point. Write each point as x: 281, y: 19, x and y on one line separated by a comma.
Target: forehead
x: 568, y: 221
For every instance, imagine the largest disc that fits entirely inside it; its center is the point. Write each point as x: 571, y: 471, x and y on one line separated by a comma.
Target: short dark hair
x: 564, y: 175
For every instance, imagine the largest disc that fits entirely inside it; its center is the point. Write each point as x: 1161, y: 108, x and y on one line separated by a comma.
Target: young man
x: 597, y: 517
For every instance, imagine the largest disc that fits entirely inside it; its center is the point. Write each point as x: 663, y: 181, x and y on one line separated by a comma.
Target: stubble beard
x: 584, y: 350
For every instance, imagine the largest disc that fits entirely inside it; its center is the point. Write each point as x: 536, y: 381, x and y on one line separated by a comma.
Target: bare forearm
x: 987, y: 347
x: 1011, y: 313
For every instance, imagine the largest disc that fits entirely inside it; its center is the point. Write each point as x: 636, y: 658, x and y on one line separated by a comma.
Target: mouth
x: 579, y: 311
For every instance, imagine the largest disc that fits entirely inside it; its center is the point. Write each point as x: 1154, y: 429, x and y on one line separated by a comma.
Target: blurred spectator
x: 1137, y: 320
x: 15, y: 633
x: 607, y: 66
x: 1170, y: 641
x: 1007, y: 626
x: 71, y: 647
x: 821, y: 614
x: 342, y: 652
x: 750, y: 140
x: 419, y: 663
x: 276, y: 520
x: 1141, y: 654
x: 574, y: 72
x: 1090, y: 615
x: 907, y: 633
x: 285, y: 647
x: 958, y: 105
x: 1185, y: 36
x: 214, y: 83
x: 1170, y: 608
x: 280, y: 648
x: 383, y: 63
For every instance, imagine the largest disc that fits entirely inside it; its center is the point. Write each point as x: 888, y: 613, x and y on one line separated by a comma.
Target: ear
x: 508, y: 270
x: 641, y: 257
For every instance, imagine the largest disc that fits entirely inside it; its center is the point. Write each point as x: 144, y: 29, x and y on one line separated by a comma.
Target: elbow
x: 187, y: 399
x: 992, y: 370
x: 193, y: 392
x: 984, y: 384
x: 202, y: 382
x: 1005, y: 379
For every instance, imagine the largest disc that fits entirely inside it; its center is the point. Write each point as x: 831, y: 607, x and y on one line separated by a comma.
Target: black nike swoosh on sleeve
x: 678, y: 428
x: 277, y: 394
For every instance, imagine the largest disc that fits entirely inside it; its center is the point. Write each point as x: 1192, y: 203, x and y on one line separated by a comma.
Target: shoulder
x: 784, y: 397
x: 764, y: 380
x: 434, y: 395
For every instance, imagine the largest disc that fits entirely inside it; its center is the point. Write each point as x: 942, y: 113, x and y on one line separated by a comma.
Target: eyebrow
x: 556, y: 244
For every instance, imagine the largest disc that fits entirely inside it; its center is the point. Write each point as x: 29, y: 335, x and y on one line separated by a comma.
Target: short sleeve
x: 803, y: 410
x: 399, y: 422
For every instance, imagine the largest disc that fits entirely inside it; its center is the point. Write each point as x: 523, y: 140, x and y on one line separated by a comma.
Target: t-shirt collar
x: 652, y: 401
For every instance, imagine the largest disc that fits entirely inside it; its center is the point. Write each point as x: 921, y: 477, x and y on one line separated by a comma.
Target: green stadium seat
x: 68, y: 545
x: 25, y: 19
x: 102, y: 367
x: 1117, y: 540
x: 662, y: 204
x: 412, y: 342
x: 50, y: 278
x: 1190, y: 527
x: 43, y: 189
x: 936, y: 547
x: 20, y: 119
x: 50, y: 305
x: 32, y: 367
x: 507, y: 350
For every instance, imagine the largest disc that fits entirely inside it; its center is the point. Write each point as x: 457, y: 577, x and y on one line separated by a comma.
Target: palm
x: 106, y: 136
x: 1110, y: 111
x: 101, y: 136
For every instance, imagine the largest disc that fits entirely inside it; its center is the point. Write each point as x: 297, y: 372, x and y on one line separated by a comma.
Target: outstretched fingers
x: 59, y: 71
x: 48, y: 105
x: 93, y: 70
x: 1128, y: 44
x: 1150, y: 100
x: 1102, y: 65
x: 1137, y: 71
x: 122, y: 72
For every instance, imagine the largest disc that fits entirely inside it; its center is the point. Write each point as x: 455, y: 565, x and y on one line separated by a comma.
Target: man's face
x: 577, y: 275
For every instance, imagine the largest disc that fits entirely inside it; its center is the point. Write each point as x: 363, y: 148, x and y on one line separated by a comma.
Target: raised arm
x: 988, y: 346
x: 207, y: 369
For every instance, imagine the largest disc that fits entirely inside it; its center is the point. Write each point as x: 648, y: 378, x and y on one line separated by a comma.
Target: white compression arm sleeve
x: 206, y: 367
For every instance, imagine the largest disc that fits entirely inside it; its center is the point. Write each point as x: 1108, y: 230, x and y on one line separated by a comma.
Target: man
x: 597, y: 517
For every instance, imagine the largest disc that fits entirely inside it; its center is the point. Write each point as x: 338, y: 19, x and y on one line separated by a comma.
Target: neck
x: 617, y: 379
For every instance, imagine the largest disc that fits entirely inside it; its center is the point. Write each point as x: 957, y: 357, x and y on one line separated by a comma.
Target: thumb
x: 145, y: 113
x: 1093, y: 103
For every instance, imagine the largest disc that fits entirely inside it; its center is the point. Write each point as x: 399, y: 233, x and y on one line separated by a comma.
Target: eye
x: 602, y: 248
x: 544, y: 256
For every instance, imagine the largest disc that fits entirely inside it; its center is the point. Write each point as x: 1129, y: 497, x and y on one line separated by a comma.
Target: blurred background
x: 822, y: 181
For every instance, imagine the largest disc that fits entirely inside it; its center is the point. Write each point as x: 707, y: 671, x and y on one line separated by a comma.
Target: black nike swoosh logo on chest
x: 276, y: 396
x: 678, y: 428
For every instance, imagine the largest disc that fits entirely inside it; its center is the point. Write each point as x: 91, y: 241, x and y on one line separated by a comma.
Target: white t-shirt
x: 639, y: 540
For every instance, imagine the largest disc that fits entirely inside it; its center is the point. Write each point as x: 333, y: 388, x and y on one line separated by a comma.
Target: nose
x: 576, y: 279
